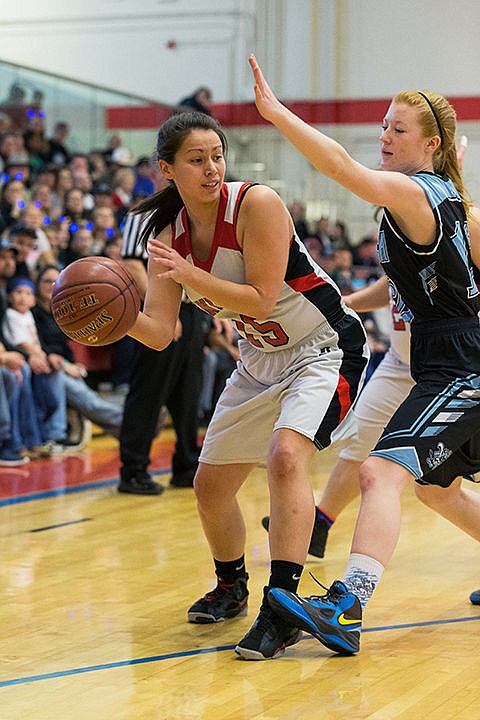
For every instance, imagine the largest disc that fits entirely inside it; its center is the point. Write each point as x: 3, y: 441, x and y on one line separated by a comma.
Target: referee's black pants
x: 170, y: 377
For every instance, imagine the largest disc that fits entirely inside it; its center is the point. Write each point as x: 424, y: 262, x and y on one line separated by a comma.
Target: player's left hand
x: 267, y: 103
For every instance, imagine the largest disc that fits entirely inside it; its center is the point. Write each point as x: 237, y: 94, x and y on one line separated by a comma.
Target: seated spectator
x: 323, y: 233
x: 365, y: 253
x: 339, y: 234
x: 47, y: 175
x: 343, y: 273
x: 33, y: 216
x: 221, y: 356
x: 58, y: 236
x: 102, y: 195
x: 18, y: 167
x: 297, y: 211
x: 314, y: 247
x: 19, y: 330
x: 200, y: 100
x: 10, y: 449
x: 63, y: 184
x: 98, y: 167
x: 74, y: 206
x: 23, y: 239
x: 82, y: 181
x: 113, y: 247
x: 114, y: 142
x: 144, y: 185
x: 41, y: 197
x: 6, y: 123
x: 11, y: 143
x: 122, y: 197
x: 79, y: 245
x: 104, y: 227
x: 80, y: 397
x: 37, y: 144
x: 58, y: 151
x: 13, y: 197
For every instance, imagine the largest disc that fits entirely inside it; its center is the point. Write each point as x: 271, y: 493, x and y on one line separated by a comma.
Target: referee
x: 170, y: 377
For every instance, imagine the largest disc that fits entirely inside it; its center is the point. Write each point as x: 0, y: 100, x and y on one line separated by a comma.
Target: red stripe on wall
x: 315, y: 112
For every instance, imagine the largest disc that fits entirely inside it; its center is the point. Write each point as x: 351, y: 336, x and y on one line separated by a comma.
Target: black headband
x: 440, y: 131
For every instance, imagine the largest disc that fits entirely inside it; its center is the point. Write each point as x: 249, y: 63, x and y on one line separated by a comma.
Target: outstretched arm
x: 387, y: 189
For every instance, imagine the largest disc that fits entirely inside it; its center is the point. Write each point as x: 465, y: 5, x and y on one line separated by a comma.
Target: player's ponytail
x: 162, y: 208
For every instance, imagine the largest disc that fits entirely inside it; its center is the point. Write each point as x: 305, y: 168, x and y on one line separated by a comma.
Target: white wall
x: 308, y: 48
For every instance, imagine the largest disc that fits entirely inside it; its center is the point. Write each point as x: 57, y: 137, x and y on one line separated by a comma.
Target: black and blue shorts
x: 435, y: 433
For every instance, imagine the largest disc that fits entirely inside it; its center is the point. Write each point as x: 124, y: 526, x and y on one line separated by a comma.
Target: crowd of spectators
x: 55, y: 207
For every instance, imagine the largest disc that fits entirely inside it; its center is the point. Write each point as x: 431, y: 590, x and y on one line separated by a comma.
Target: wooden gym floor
x: 95, y: 588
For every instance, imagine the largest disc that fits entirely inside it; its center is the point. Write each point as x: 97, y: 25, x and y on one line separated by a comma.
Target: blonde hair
x: 437, y: 117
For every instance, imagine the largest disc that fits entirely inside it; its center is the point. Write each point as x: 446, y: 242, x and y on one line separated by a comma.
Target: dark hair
x: 20, y: 229
x: 164, y: 206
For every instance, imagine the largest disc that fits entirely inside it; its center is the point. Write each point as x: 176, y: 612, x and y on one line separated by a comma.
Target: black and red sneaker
x: 227, y: 600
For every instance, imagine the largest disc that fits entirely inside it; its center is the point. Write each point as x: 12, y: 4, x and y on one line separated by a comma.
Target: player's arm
x: 394, y: 190
x: 136, y: 267
x: 156, y: 324
x: 264, y: 230
x: 370, y: 298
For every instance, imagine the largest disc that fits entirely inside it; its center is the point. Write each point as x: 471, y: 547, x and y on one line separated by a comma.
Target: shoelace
x: 331, y: 595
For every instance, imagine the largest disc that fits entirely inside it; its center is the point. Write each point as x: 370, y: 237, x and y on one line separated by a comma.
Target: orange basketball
x: 95, y: 301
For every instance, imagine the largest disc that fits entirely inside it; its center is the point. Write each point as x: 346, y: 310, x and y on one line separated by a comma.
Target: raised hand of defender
x: 267, y: 103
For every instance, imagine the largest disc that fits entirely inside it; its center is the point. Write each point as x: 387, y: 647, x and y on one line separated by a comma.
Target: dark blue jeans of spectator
x: 25, y: 433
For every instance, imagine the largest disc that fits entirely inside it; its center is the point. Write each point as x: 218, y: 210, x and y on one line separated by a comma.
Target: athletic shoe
x: 335, y: 619
x: 268, y: 637
x: 10, y: 458
x: 140, y: 484
x: 319, y: 537
x: 475, y: 597
x: 222, y: 603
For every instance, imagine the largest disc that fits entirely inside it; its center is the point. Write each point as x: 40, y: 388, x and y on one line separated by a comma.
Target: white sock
x: 362, y: 576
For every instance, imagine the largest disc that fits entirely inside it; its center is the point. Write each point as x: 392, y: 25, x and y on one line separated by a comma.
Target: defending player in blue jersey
x: 428, y: 237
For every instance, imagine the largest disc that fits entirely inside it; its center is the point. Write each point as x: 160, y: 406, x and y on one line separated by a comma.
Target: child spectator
x: 80, y: 397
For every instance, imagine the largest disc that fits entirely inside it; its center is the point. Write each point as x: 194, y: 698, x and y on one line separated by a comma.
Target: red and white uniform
x: 301, y: 367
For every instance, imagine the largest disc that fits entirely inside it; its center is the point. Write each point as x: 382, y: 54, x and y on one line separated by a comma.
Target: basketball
x: 95, y: 301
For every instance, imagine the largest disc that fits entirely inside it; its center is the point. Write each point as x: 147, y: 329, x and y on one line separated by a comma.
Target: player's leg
x: 291, y: 522
x: 385, y: 391
x: 335, y: 618
x: 456, y: 503
x: 216, y: 488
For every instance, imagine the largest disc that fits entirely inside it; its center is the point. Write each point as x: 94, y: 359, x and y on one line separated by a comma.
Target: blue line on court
x: 202, y: 651
x: 66, y: 490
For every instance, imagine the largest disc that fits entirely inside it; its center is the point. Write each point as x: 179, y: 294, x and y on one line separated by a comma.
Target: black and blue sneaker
x: 475, y: 597
x: 335, y: 618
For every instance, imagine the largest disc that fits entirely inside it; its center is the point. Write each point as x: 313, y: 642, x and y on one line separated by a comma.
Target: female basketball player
x: 425, y: 249
x: 231, y: 247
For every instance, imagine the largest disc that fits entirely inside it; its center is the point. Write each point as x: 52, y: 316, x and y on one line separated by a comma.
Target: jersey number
x: 272, y: 333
